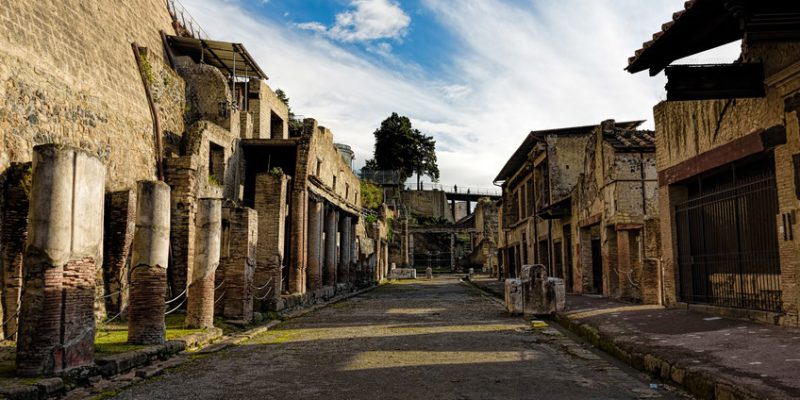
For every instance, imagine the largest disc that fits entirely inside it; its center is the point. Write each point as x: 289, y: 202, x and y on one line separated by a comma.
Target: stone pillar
x: 411, y: 250
x: 271, y: 206
x: 315, y: 245
x: 297, y: 261
x: 239, y: 262
x: 329, y: 273
x: 200, y: 310
x: 404, y: 243
x: 63, y: 251
x: 452, y: 252
x: 149, y: 259
x: 345, y: 247
x: 14, y: 234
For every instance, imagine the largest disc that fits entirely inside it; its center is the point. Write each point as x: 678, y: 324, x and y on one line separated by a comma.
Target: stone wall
x: 687, y: 129
x: 66, y: 81
x: 427, y: 204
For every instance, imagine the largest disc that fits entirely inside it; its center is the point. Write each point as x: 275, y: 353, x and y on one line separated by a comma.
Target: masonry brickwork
x: 688, y: 130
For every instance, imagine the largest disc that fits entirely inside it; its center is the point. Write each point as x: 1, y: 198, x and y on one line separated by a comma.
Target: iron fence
x: 728, y: 245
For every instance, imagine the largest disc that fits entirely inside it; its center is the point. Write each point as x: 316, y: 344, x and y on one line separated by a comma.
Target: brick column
x: 64, y: 248
x: 120, y: 222
x: 315, y: 245
x: 270, y: 204
x: 149, y: 259
x: 14, y: 234
x: 181, y: 176
x: 329, y: 273
x: 239, y: 262
x: 200, y: 310
x: 297, y: 260
x: 345, y: 247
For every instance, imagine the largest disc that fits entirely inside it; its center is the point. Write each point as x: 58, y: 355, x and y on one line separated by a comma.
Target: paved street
x: 434, y: 339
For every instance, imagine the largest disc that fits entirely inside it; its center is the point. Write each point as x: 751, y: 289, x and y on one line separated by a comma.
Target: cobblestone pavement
x: 435, y: 339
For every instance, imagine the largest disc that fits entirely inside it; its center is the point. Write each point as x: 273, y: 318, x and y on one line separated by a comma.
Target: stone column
x: 411, y: 249
x: 298, y: 255
x: 239, y: 263
x: 404, y: 243
x: 200, y: 310
x: 345, y: 246
x: 314, y: 245
x: 149, y: 259
x: 14, y: 233
x: 63, y: 252
x: 329, y: 273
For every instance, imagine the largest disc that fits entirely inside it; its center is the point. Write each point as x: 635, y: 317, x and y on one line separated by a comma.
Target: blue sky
x: 478, y: 75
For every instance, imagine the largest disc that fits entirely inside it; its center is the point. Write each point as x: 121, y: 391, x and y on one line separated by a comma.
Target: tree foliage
x: 398, y: 146
x: 294, y: 123
x: 371, y: 195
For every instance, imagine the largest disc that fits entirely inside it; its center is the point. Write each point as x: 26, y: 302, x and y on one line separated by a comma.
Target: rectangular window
x: 216, y: 164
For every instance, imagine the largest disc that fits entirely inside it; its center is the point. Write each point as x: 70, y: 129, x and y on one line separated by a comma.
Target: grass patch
x: 113, y: 338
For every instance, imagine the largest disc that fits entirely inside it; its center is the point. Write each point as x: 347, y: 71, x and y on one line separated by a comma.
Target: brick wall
x: 271, y: 205
x: 120, y: 221
x: 14, y: 234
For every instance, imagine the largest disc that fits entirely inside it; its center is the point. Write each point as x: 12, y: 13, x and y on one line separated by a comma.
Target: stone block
x: 514, y: 296
x: 403, y: 273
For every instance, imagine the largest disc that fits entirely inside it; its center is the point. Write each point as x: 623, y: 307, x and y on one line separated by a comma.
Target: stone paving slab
x: 437, y: 339
x: 710, y: 356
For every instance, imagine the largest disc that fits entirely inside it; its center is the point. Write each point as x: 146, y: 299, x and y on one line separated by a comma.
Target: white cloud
x: 369, y: 20
x: 518, y: 67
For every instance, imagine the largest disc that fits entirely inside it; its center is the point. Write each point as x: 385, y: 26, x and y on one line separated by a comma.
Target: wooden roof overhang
x: 706, y: 24
x: 231, y: 58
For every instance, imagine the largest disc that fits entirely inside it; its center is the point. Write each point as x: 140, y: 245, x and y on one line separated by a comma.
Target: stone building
x: 484, y: 239
x: 615, y: 204
x: 151, y: 100
x: 728, y: 159
x: 561, y: 183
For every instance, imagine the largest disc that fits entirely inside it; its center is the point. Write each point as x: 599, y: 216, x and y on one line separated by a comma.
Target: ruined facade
x: 564, y: 191
x: 727, y: 160
x: 484, y: 240
x: 85, y: 114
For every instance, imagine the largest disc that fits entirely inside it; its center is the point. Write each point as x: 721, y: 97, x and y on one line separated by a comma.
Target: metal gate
x: 728, y: 241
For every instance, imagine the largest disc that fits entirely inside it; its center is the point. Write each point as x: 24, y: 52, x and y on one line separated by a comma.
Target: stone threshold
x: 116, y: 372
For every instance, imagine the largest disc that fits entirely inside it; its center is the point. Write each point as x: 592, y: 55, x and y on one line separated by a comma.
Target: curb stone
x: 698, y: 383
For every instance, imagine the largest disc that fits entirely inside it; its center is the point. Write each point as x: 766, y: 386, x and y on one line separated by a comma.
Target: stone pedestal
x: 429, y: 273
x: 63, y: 252
x: 200, y: 309
x: 149, y: 260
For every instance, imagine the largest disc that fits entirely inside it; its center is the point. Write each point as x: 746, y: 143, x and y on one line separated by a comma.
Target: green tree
x: 294, y: 123
x: 398, y: 146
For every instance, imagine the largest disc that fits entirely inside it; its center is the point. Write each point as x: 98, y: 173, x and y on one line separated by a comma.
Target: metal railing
x: 456, y: 189
x: 180, y: 15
